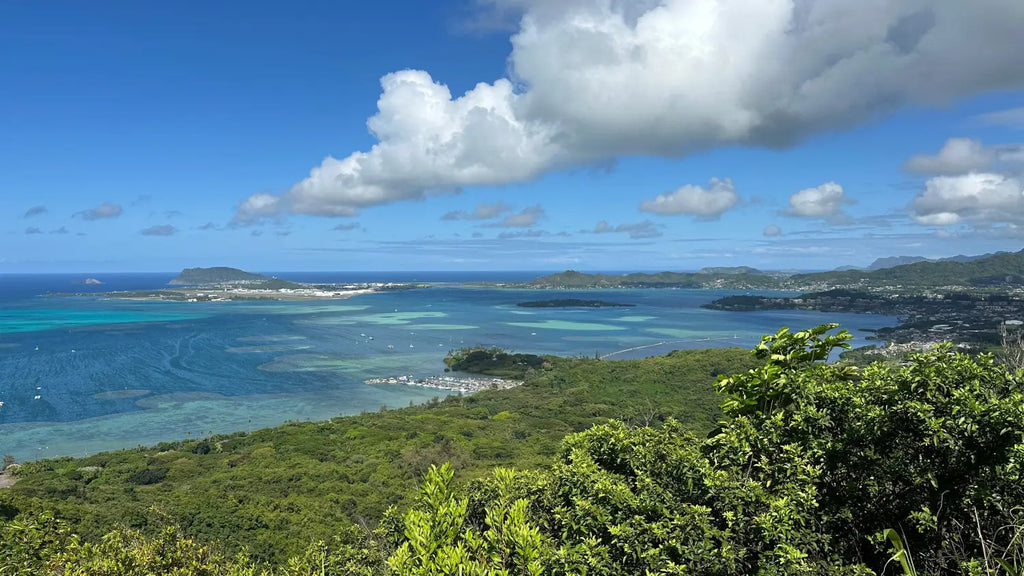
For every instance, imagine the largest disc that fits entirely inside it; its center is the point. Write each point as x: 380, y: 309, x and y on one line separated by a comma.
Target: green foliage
x: 814, y: 468
x: 493, y: 362
x: 439, y: 541
x: 274, y: 491
x: 44, y: 546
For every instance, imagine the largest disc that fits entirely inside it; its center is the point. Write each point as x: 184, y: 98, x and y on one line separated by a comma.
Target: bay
x: 84, y: 374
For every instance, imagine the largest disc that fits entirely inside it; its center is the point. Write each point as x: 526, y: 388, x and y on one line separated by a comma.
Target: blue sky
x: 507, y: 134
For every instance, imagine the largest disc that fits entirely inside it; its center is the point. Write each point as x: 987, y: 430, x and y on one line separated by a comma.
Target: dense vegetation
x: 276, y: 490
x: 813, y: 468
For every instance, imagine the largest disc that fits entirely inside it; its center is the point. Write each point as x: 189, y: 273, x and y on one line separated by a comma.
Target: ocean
x: 85, y: 374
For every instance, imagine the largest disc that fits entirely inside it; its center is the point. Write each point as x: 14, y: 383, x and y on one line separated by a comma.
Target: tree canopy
x: 814, y: 468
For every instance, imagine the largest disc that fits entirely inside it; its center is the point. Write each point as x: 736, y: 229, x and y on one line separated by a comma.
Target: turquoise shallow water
x: 35, y: 319
x: 83, y: 374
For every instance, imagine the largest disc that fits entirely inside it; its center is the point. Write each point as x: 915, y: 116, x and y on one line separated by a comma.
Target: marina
x: 458, y: 384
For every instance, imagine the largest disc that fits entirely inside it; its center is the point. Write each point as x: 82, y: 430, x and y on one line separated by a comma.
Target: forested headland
x: 699, y: 462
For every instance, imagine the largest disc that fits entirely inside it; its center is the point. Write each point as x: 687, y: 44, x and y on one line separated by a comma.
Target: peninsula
x: 222, y: 284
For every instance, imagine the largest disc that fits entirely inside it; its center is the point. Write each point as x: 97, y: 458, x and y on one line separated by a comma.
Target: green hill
x: 215, y: 275
x: 727, y: 270
x: 811, y: 469
x: 276, y: 490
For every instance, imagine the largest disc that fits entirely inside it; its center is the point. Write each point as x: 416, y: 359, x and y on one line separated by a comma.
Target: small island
x: 572, y: 303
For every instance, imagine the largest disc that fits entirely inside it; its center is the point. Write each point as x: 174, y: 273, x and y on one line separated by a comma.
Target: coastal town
x: 460, y: 384
x: 235, y: 292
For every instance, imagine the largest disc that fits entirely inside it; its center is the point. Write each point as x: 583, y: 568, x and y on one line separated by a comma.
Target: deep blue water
x: 82, y: 374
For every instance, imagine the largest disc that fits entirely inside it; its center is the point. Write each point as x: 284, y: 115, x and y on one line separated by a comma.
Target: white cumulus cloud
x: 703, y: 202
x: 771, y: 231
x: 822, y: 201
x: 592, y: 80
x: 957, y: 156
x: 976, y: 199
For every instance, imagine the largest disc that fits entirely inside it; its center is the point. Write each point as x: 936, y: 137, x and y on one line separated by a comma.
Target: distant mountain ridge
x: 740, y: 277
x: 986, y: 271
x: 999, y: 269
x: 215, y: 275
x: 893, y: 261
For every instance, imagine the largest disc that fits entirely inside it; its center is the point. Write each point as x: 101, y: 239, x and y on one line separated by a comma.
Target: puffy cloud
x: 963, y: 156
x: 103, y: 211
x: 772, y: 231
x: 1014, y: 118
x: 32, y: 230
x: 823, y: 201
x: 159, y: 230
x: 977, y: 199
x: 35, y: 211
x: 595, y: 80
x: 706, y: 203
x: 347, y: 227
x: 523, y: 219
x: 207, y: 226
x: 638, y: 230
x: 481, y: 212
x: 258, y: 207
x: 957, y: 156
